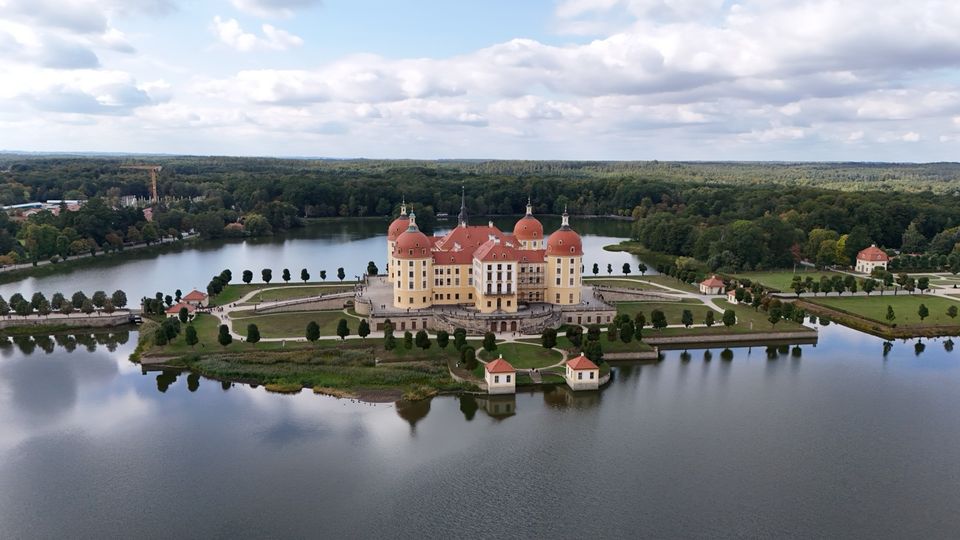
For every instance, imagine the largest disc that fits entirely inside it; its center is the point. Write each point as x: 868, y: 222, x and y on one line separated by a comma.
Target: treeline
x: 734, y: 216
x: 737, y: 229
x: 58, y: 303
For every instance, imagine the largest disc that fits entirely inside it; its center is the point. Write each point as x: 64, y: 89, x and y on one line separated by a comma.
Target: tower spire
x: 462, y: 218
x: 403, y: 205
x: 529, y: 206
x: 565, y: 222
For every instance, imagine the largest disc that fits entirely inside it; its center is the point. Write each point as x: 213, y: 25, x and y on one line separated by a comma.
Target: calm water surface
x: 324, y: 246
x: 837, y: 442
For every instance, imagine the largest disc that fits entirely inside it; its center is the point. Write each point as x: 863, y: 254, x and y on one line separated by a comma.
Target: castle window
x: 410, y: 285
x: 558, y: 281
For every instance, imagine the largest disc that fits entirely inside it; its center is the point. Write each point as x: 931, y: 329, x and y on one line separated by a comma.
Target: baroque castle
x: 483, y: 267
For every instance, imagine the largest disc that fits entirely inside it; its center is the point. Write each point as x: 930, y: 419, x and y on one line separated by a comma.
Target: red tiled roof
x: 564, y: 242
x: 176, y: 308
x: 412, y: 244
x: 195, y: 296
x: 873, y: 254
x: 494, y: 251
x: 528, y: 228
x: 581, y: 362
x: 531, y: 255
x: 453, y: 257
x: 500, y: 366
x: 398, y: 227
x: 713, y: 281
x: 469, y: 238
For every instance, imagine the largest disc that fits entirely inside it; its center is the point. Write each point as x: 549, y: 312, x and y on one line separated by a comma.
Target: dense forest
x: 730, y: 215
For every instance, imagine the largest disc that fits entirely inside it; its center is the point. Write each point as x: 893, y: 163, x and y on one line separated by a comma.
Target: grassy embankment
x: 868, y: 314
x: 350, y: 367
x: 295, y: 292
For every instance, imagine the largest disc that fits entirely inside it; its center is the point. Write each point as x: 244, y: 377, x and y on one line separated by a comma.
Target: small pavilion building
x: 500, y: 376
x: 712, y: 285
x: 582, y: 374
x: 871, y: 258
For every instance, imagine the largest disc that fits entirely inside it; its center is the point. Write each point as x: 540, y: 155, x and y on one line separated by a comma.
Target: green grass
x: 207, y: 329
x: 291, y: 293
x: 783, y: 279
x: 292, y: 324
x: 623, y: 283
x: 905, y: 306
x: 523, y: 356
x: 672, y: 310
x: 235, y: 291
x: 673, y: 283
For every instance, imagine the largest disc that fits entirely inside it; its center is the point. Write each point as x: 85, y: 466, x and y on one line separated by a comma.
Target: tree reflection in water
x: 165, y: 379
x: 413, y: 411
x: 468, y: 406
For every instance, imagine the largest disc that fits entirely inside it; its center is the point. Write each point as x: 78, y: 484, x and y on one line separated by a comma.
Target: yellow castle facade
x: 483, y: 267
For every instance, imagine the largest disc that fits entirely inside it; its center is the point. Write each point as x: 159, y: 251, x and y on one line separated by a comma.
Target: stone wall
x: 618, y: 294
x: 721, y: 339
x: 82, y: 321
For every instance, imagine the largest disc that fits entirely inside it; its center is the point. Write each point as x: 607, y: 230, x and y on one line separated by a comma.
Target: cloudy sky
x: 539, y: 79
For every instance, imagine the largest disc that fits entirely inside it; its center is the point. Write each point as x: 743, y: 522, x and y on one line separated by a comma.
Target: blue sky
x: 566, y: 79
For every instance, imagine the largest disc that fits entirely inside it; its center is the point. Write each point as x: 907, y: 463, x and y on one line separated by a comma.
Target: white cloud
x: 229, y: 32
x: 273, y: 8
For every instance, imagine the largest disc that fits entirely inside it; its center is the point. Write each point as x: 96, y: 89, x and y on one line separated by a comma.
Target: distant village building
x: 870, y: 258
x: 195, y: 298
x: 712, y: 285
x: 500, y: 376
x: 732, y: 296
x: 582, y: 374
x: 174, y: 310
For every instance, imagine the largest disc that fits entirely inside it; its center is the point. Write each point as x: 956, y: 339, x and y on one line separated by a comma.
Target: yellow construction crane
x: 154, y: 171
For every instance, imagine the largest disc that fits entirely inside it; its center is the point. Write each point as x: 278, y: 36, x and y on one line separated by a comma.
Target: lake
x: 839, y: 441
x: 320, y: 246
x: 822, y: 441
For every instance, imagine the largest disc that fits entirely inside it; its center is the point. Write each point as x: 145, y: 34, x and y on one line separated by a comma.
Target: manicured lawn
x: 523, y: 356
x: 292, y: 324
x: 290, y: 293
x: 905, y: 306
x: 782, y: 279
x: 207, y: 329
x: 235, y: 291
x: 673, y: 283
x: 672, y: 310
x: 623, y: 282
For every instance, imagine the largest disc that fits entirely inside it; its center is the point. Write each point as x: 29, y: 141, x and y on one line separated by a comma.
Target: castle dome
x: 529, y: 227
x: 413, y: 244
x: 399, y: 225
x: 565, y: 241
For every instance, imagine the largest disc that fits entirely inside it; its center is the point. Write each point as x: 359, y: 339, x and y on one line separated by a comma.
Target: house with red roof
x: 500, y: 376
x: 871, y: 258
x: 174, y: 310
x: 195, y: 298
x: 712, y: 285
x: 582, y: 374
